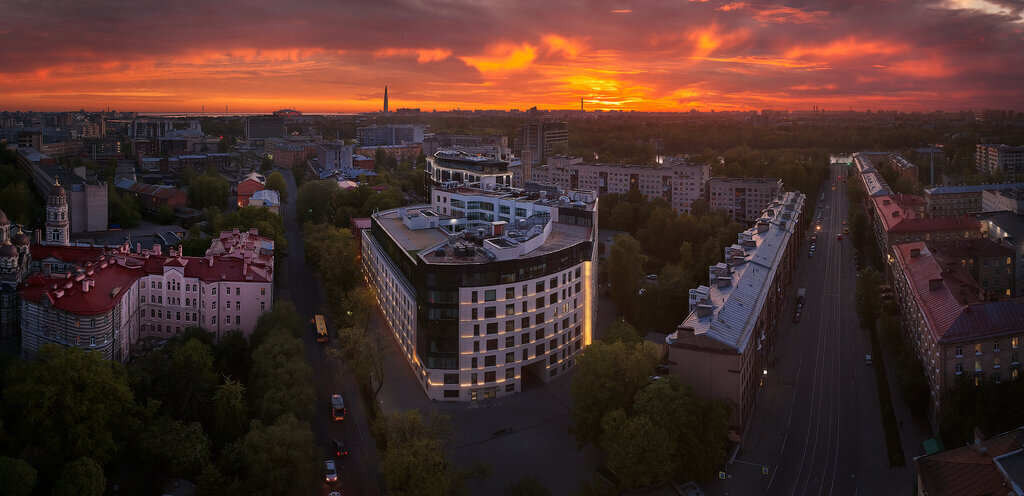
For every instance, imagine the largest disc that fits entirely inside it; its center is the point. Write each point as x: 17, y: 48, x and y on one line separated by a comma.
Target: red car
x: 839, y: 237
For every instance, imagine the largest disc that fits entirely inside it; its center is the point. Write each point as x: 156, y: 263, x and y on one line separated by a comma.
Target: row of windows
x: 1014, y: 344
x: 510, y: 291
x: 176, y: 286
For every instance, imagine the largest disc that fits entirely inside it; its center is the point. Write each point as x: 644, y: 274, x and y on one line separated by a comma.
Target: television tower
x: 385, y: 98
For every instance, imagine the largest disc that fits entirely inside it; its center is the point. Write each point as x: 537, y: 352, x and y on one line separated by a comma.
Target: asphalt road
x: 817, y: 427
x: 358, y: 471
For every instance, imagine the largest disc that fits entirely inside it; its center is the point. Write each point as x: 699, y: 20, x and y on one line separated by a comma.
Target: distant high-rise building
x: 1004, y: 158
x: 541, y: 138
x: 385, y: 99
x: 390, y: 135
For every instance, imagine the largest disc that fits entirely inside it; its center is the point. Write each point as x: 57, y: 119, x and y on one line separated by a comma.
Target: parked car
x: 652, y: 277
x: 330, y: 472
x: 867, y: 359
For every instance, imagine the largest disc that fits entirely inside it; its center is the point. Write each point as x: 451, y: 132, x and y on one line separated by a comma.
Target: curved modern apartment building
x: 485, y: 289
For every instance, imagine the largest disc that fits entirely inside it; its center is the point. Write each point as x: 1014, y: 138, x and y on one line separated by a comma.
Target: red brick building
x: 248, y: 185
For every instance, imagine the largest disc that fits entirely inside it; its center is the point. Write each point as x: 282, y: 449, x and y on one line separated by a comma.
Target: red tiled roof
x: 949, y: 318
x: 111, y: 284
x: 897, y: 215
x: 965, y: 470
x: 72, y: 254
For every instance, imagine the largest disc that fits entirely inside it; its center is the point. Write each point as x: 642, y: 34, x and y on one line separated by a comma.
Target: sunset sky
x: 670, y: 55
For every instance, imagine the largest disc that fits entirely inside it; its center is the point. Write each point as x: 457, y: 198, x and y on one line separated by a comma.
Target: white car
x: 330, y: 472
x: 867, y: 359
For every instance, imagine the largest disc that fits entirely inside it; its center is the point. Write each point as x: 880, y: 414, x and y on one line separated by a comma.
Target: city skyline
x: 629, y: 55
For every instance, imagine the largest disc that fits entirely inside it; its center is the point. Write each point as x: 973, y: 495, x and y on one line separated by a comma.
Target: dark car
x: 796, y: 318
x: 339, y: 448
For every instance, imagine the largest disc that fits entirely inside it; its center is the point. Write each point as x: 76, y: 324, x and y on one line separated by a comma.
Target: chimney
x: 934, y: 284
x: 85, y: 286
x: 704, y: 311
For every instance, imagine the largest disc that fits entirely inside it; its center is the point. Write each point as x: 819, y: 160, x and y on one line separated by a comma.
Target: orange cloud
x: 847, y: 48
x: 503, y: 58
x: 622, y: 11
x: 706, y: 41
x: 732, y: 6
x: 423, y: 55
x: 782, y: 14
x: 571, y: 47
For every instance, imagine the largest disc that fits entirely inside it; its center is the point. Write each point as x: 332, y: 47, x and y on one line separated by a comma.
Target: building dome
x: 57, y: 189
x: 8, y: 250
x: 3, y: 219
x: 21, y: 239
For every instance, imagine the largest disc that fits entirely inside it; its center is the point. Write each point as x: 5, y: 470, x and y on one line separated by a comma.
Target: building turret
x: 8, y: 258
x: 57, y: 221
x: 5, y: 227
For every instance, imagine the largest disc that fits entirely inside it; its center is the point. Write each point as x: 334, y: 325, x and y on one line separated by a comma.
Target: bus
x: 321, y: 329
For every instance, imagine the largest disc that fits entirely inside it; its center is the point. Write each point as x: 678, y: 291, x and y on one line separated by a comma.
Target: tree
x: 232, y: 357
x: 82, y: 477
x: 72, y: 403
x: 621, y: 331
x: 528, y: 486
x: 413, y: 460
x: 867, y: 299
x: 697, y: 426
x: 333, y: 253
x: 315, y: 201
x: 275, y: 181
x: 279, y: 457
x: 19, y: 478
x: 230, y: 411
x: 636, y: 449
x: 282, y: 315
x: 282, y: 382
x: 18, y: 202
x: 208, y: 190
x: 182, y: 448
x: 625, y: 270
x: 607, y: 378
x: 123, y: 208
x: 191, y: 379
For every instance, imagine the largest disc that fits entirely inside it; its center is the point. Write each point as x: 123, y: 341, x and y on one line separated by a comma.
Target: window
x: 510, y: 309
x: 977, y: 366
x: 539, y: 318
x: 177, y: 315
x: 213, y: 320
x: 474, y: 314
x: 476, y: 329
x: 540, y: 333
x: 263, y: 291
x: 238, y: 319
x: 525, y: 307
x: 476, y: 347
x: 996, y: 363
x: 540, y: 349
x: 995, y: 377
x: 238, y: 305
x: 995, y: 346
x: 525, y: 322
x: 489, y: 377
x: 490, y: 312
x: 492, y: 344
x: 451, y: 379
x: 490, y: 360
x: 227, y: 290
x: 959, y: 368
x: 510, y: 325
x: 492, y: 328
x: 1014, y: 342
x: 451, y: 393
x: 473, y: 297
x: 263, y: 305
x: 510, y: 373
x: 490, y: 295
x: 977, y: 349
x: 577, y: 272
x: 510, y: 357
x: 540, y: 286
x: 959, y: 351
x: 472, y: 363
x: 510, y: 292
x: 1013, y: 359
x: 510, y: 341
x: 473, y: 379
x: 539, y: 303
x: 553, y: 298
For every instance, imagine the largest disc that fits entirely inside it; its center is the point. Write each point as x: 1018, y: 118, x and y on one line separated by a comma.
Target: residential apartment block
x: 989, y: 158
x: 1003, y: 200
x: 956, y: 332
x: 951, y: 201
x: 492, y: 146
x: 723, y: 345
x: 742, y: 198
x: 486, y: 289
x: 901, y: 219
x: 395, y: 134
x: 538, y: 140
x: 1007, y: 228
x: 678, y: 182
x: 111, y: 304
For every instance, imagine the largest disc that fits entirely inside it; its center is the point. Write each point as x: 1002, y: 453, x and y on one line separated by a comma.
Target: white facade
x: 742, y: 198
x: 507, y: 327
x: 679, y: 183
x: 990, y: 158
